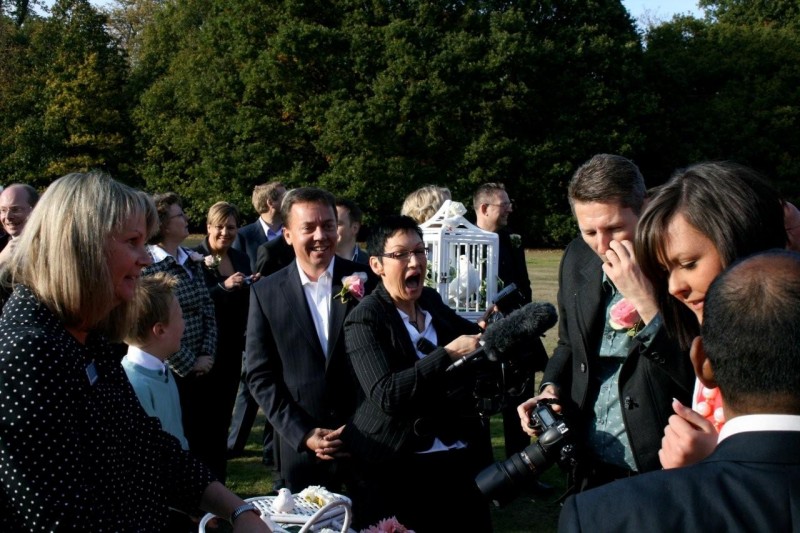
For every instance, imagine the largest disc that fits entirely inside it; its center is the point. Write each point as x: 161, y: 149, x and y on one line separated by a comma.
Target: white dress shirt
x: 318, y: 296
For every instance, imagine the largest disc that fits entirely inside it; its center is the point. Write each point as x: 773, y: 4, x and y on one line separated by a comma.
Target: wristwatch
x: 239, y: 511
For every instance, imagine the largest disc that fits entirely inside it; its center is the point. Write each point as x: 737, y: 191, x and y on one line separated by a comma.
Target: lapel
x: 588, y: 296
x: 338, y: 308
x: 292, y: 290
x: 400, y: 337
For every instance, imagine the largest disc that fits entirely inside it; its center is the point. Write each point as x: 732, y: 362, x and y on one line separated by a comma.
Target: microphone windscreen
x: 518, y: 328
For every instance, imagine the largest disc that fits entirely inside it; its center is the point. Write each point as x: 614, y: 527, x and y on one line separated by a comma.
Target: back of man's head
x: 608, y: 178
x: 751, y: 333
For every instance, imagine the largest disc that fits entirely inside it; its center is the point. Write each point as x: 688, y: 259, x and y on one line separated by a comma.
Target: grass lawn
x: 529, y: 512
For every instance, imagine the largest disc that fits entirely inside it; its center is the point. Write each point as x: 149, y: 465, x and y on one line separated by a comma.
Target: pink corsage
x: 352, y: 285
x: 388, y: 525
x: 623, y: 315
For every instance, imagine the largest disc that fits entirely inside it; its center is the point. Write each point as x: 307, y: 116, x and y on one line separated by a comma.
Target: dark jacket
x: 650, y: 377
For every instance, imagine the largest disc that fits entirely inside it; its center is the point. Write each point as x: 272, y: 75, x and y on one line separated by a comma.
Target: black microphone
x: 512, y: 332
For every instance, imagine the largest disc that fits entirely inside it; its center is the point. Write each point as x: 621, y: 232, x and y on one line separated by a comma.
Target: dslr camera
x: 502, y: 481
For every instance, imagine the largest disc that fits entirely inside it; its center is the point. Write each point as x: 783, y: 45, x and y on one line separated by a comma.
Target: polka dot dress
x: 77, y: 451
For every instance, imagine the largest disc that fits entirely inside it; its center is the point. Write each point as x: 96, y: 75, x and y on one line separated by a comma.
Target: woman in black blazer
x: 415, y: 438
x: 227, y: 275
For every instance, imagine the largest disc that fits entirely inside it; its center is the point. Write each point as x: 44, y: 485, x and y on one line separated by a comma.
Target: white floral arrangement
x: 318, y: 495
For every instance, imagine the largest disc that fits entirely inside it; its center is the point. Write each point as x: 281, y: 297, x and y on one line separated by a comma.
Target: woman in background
x: 227, y: 277
x: 702, y: 220
x: 195, y: 359
x: 78, y: 451
x: 423, y: 203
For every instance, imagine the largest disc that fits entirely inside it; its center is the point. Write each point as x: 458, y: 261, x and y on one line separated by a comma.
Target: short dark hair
x: 163, y: 202
x: 485, y: 194
x: 608, y: 178
x: 728, y: 203
x: 306, y: 195
x: 352, y: 209
x: 388, y: 227
x: 751, y: 331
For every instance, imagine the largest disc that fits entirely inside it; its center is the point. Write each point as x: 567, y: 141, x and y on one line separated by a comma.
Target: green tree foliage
x: 62, y: 98
x: 774, y: 13
x: 373, y: 99
x: 726, y: 92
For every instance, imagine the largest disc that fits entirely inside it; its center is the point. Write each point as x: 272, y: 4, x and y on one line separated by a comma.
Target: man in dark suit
x: 615, y: 381
x: 492, y: 208
x: 267, y: 203
x: 350, y: 216
x: 267, y: 229
x: 751, y: 482
x: 273, y: 256
x: 296, y: 363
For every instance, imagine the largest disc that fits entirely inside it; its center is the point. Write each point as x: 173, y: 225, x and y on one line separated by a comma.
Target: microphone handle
x: 476, y: 355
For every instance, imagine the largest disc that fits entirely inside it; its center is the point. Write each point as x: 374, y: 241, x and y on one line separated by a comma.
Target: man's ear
x: 701, y: 364
x: 376, y: 265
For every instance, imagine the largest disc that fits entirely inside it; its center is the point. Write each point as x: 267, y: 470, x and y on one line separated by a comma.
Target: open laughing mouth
x: 413, y: 281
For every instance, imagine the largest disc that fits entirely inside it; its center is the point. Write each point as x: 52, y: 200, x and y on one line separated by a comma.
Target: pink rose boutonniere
x: 352, y: 286
x: 625, y: 316
x: 212, y: 261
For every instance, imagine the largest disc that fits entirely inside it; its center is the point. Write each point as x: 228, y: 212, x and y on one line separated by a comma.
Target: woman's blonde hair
x: 219, y: 212
x: 63, y: 254
x: 423, y: 203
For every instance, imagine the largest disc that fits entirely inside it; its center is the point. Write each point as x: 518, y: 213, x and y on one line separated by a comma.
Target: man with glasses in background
x: 492, y: 208
x: 16, y: 204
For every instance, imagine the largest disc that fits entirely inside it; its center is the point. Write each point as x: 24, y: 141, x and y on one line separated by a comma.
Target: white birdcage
x: 462, y: 260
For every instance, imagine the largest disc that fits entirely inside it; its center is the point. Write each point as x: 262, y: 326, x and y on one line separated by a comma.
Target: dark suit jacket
x: 750, y: 483
x: 248, y: 239
x: 649, y: 379
x: 273, y: 256
x: 511, y: 267
x: 288, y: 373
x: 405, y: 392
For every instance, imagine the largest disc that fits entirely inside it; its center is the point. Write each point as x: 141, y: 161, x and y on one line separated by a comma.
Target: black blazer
x: 403, y: 393
x: 273, y: 256
x: 296, y: 385
x: 248, y: 239
x: 750, y: 483
x: 650, y: 377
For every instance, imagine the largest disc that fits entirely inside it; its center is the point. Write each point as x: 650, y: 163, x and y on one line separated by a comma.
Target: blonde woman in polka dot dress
x: 77, y: 451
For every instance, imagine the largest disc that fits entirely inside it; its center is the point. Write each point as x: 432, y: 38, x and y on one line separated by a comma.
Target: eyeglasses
x: 13, y: 210
x: 178, y: 215
x: 504, y: 205
x: 406, y: 254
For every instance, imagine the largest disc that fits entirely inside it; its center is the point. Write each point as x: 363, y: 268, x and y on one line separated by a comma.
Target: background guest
x: 194, y: 360
x: 79, y: 452
x: 416, y: 436
x: 349, y: 224
x: 155, y: 331
x: 703, y: 219
x: 228, y: 279
x: 267, y: 203
x: 492, y: 209
x: 16, y: 204
x: 423, y: 203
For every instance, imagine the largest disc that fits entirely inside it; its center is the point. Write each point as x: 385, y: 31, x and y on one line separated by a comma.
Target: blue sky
x: 662, y: 9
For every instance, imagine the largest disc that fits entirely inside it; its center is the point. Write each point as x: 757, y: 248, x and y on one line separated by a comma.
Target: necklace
x: 415, y: 320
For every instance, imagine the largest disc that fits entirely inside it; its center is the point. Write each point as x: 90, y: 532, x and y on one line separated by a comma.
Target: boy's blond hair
x: 150, y: 306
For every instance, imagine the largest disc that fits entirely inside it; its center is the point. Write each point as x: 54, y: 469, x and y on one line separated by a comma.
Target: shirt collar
x: 140, y: 357
x: 159, y: 254
x: 328, y: 274
x: 766, y: 422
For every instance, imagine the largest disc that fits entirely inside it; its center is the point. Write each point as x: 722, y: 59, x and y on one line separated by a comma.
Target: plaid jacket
x: 200, y: 335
